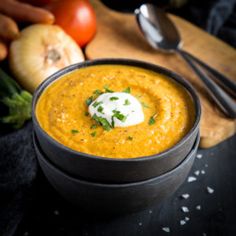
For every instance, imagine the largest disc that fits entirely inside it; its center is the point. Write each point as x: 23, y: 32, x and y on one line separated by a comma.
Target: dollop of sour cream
x: 120, y: 109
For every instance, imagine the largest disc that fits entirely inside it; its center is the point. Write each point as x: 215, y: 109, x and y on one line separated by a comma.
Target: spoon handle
x: 222, y: 99
x: 226, y: 83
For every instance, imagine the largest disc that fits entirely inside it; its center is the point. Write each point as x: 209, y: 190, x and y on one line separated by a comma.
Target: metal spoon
x: 162, y: 34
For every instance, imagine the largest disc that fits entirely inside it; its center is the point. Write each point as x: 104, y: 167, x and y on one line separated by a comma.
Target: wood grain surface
x: 118, y: 36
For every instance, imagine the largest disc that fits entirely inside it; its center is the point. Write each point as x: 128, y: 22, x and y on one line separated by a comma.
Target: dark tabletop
x: 49, y: 214
x: 46, y: 213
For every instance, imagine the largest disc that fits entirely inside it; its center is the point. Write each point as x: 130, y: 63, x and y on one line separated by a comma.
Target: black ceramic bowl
x: 115, y: 198
x: 111, y: 169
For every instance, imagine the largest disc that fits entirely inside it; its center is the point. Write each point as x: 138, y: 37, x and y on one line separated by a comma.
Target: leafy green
x: 17, y: 100
x: 114, y: 98
x: 127, y: 90
x: 93, y: 134
x: 89, y: 100
x: 74, y: 131
x: 119, y: 116
x: 103, y: 122
x: 152, y: 120
x: 107, y: 90
x: 127, y: 102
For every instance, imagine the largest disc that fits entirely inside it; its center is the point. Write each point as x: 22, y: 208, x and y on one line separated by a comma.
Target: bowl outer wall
x: 116, y: 198
x: 109, y: 169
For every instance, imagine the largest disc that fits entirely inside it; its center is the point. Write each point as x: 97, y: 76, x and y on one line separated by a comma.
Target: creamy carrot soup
x: 116, y: 111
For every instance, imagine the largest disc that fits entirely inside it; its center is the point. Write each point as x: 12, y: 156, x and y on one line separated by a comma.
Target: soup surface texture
x: 62, y: 111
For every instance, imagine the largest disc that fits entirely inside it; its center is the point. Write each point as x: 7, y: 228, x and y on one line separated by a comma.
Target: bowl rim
x: 165, y: 175
x: 118, y: 61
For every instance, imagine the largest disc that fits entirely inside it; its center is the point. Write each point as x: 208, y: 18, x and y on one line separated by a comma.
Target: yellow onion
x: 40, y: 51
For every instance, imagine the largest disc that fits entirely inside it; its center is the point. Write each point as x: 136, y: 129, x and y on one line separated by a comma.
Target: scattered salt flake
x: 210, y: 190
x: 187, y: 218
x: 56, y: 213
x: 198, y: 207
x: 197, y: 172
x: 184, y: 209
x: 166, y: 229
x: 203, y: 172
x: 191, y: 179
x: 185, y: 196
x: 182, y: 222
x: 140, y: 223
x: 204, y: 234
x: 206, y: 165
x: 199, y: 156
x: 150, y: 211
x: 26, y: 234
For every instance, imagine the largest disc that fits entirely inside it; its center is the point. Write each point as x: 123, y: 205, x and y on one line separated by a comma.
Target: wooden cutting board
x: 118, y: 36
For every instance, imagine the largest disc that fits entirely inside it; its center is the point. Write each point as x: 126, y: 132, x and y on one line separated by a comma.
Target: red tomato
x: 76, y: 17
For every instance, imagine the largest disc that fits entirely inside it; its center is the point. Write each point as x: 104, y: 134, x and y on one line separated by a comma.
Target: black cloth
x: 18, y: 166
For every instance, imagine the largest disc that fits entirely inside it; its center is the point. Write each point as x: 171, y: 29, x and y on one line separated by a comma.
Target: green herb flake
x: 144, y: 105
x: 130, y: 138
x: 107, y: 90
x: 93, y: 126
x: 93, y: 134
x: 89, y: 100
x: 86, y: 113
x: 152, y: 120
x: 74, y: 131
x: 100, y: 109
x: 113, y: 98
x: 96, y: 104
x: 127, y: 102
x: 103, y: 122
x: 127, y: 90
x: 119, y: 116
x: 97, y: 92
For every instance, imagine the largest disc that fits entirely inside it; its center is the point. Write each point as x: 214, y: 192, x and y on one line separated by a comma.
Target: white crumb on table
x: 166, y: 229
x: 210, y: 190
x: 184, y: 209
x: 182, y: 222
x: 185, y: 196
x: 198, y: 207
x: 197, y: 172
x: 203, y: 172
x: 199, y: 156
x: 187, y: 218
x: 191, y: 179
x: 56, y: 213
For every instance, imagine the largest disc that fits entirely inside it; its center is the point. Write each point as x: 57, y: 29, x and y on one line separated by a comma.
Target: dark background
x: 27, y: 200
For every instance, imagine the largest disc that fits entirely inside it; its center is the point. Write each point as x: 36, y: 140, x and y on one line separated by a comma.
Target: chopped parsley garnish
x: 103, y: 122
x: 144, y: 105
x: 89, y: 101
x: 93, y: 134
x: 97, y: 92
x: 130, y: 138
x: 86, y: 113
x: 94, y: 126
x: 127, y: 102
x: 100, y: 109
x: 127, y: 90
x: 152, y: 120
x: 114, y: 98
x: 96, y: 104
x: 74, y: 131
x: 107, y: 90
x: 119, y: 116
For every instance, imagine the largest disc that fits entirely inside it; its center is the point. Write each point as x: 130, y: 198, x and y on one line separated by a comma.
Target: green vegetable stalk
x: 17, y: 100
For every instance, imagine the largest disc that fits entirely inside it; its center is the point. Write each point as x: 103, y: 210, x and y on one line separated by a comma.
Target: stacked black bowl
x: 115, y: 185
